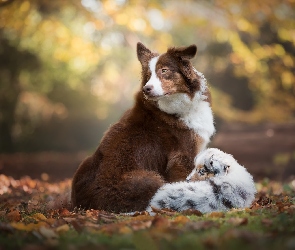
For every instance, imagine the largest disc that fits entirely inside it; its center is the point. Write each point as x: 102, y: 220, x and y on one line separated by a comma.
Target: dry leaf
x: 140, y: 225
x: 264, y: 201
x: 163, y: 211
x: 216, y: 215
x: 238, y: 221
x: 48, y: 233
x: 14, y: 216
x: 143, y: 217
x: 160, y: 222
x: 28, y: 227
x: 125, y: 230
x: 192, y: 212
x: 39, y: 217
x: 64, y: 212
x: 62, y: 228
x: 181, y: 220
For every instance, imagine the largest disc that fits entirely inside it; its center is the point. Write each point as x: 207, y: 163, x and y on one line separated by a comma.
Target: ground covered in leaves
x: 36, y: 215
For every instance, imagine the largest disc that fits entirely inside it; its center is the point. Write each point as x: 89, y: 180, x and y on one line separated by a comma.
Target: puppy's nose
x: 147, y: 89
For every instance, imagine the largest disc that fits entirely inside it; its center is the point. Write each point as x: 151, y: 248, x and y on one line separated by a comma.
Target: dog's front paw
x: 211, y: 162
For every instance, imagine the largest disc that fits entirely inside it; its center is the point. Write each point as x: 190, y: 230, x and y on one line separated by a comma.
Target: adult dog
x: 155, y: 142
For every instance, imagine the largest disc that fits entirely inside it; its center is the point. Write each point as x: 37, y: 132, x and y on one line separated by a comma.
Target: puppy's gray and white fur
x: 230, y: 186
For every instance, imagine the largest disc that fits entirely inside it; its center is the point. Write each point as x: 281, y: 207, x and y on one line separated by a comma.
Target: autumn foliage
x: 37, y: 213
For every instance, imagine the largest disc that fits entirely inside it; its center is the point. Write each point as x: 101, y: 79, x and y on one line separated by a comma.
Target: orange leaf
x: 216, y: 215
x: 181, y: 219
x: 14, y: 216
x: 192, y: 212
x: 125, y: 230
x: 62, y: 229
x: 39, y: 217
x: 160, y: 222
x: 64, y: 212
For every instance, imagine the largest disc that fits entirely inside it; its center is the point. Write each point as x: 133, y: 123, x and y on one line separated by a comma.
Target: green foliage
x: 61, y: 59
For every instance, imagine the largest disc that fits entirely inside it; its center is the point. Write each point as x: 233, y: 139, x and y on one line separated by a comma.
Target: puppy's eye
x: 164, y: 71
x: 211, y: 163
x: 201, y: 172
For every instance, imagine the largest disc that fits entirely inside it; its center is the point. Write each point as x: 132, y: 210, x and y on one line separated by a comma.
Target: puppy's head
x: 211, y: 167
x: 169, y: 73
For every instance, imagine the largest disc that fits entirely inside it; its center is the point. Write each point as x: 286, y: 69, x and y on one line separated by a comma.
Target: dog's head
x: 169, y: 73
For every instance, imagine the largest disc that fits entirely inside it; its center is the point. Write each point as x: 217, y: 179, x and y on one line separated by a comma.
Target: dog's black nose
x: 147, y: 89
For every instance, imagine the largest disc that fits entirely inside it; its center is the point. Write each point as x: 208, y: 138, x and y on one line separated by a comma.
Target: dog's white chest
x: 195, y: 113
x: 200, y: 119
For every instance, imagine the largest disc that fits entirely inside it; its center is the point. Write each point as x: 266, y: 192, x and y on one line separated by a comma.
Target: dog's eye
x: 164, y: 71
x: 201, y: 172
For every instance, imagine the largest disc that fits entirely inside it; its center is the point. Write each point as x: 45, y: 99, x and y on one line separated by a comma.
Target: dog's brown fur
x: 145, y: 149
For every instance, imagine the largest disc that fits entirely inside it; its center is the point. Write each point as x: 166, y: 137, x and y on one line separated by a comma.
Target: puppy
x: 225, y: 185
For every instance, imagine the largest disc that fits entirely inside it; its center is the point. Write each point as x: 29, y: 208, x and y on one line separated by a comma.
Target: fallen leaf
x: 62, y: 229
x: 140, y: 225
x: 192, y: 212
x: 164, y: 211
x: 143, y: 217
x: 58, y: 222
x: 160, y: 222
x: 64, y: 212
x: 48, y: 233
x: 124, y: 230
x: 263, y: 200
x: 28, y: 227
x: 216, y: 215
x: 238, y: 221
x: 14, y: 216
x: 181, y: 220
x: 140, y: 213
x: 39, y: 217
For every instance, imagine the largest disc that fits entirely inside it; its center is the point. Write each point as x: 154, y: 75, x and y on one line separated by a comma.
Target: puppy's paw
x: 211, y: 162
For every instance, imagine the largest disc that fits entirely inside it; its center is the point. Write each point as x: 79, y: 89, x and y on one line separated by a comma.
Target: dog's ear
x: 143, y: 53
x: 183, y: 56
x: 184, y: 52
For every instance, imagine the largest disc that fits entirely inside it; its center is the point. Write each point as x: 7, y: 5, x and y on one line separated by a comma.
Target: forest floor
x: 35, y: 212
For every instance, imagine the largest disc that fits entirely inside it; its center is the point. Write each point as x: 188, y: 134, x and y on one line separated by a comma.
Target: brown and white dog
x: 155, y: 142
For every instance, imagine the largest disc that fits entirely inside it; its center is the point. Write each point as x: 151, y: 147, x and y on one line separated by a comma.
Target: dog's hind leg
x: 130, y: 192
x: 137, y: 188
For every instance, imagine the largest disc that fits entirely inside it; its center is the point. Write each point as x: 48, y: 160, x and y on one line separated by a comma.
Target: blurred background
x: 68, y: 70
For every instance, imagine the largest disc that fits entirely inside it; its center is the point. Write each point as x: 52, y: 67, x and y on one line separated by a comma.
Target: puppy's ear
x: 183, y: 56
x: 143, y: 53
x: 184, y: 52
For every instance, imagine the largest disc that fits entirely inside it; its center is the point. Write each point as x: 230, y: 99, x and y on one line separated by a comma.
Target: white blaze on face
x: 154, y: 81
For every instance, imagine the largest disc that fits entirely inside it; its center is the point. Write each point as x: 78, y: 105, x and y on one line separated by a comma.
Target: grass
x: 28, y: 221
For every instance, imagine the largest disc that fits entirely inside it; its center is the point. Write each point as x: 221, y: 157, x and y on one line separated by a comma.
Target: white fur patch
x: 196, y: 113
x: 154, y: 81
